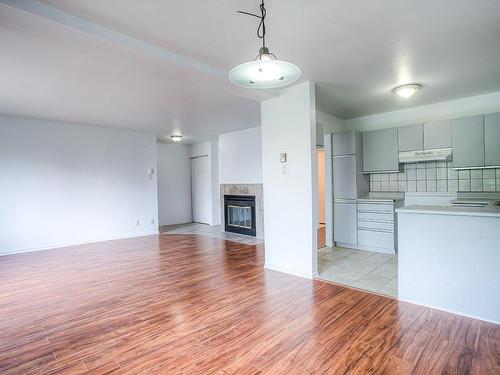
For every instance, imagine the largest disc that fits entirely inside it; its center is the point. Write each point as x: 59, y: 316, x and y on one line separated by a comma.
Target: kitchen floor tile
x: 367, y: 270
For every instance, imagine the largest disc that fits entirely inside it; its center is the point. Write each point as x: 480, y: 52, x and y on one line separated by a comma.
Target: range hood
x: 440, y: 154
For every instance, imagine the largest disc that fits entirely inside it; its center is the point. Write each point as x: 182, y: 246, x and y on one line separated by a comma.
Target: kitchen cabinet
x: 468, y: 142
x: 376, y: 223
x: 344, y: 223
x: 437, y: 134
x: 380, y: 151
x: 320, y: 132
x: 410, y: 138
x: 344, y: 143
x: 344, y: 177
x: 492, y: 140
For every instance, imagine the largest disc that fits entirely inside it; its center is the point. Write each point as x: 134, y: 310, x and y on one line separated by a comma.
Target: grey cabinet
x: 345, y: 223
x: 437, y: 134
x: 320, y: 142
x: 492, y: 140
x: 380, y: 151
x: 344, y: 143
x: 344, y: 177
x: 410, y: 138
x: 468, y: 142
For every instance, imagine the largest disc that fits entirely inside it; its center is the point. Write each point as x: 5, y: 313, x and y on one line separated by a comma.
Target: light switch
x: 283, y: 157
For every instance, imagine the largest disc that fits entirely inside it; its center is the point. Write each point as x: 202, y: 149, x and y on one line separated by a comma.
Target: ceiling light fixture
x: 405, y: 91
x: 266, y: 71
x: 176, y: 138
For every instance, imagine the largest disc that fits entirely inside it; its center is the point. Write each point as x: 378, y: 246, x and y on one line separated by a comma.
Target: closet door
x: 201, y: 195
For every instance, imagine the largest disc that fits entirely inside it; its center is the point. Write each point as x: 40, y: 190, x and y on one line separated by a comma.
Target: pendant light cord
x: 261, y: 30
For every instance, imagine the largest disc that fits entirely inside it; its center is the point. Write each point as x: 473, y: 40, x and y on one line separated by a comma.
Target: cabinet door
x: 344, y: 177
x: 344, y: 143
x: 380, y: 151
x: 437, y: 134
x: 492, y: 139
x: 344, y: 223
x: 467, y: 135
x: 410, y: 138
x: 319, y: 135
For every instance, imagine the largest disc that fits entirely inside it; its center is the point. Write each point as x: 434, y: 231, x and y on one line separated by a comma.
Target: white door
x: 201, y: 194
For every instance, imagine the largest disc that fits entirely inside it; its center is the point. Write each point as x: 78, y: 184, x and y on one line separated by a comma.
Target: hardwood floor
x: 187, y: 304
x: 321, y: 236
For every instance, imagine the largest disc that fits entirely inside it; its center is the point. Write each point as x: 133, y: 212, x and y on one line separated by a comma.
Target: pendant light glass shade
x: 264, y: 74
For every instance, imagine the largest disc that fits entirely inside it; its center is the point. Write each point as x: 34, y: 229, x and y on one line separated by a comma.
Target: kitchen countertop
x: 486, y: 211
x: 382, y: 198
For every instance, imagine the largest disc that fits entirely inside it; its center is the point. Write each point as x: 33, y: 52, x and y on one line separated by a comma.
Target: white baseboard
x: 58, y: 246
x: 450, y: 311
x: 288, y: 271
x: 176, y: 221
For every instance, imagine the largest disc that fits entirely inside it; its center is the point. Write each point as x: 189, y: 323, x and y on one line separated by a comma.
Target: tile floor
x: 209, y: 230
x: 367, y: 270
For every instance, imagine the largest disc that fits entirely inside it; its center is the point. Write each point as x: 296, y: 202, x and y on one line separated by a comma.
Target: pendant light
x: 266, y: 71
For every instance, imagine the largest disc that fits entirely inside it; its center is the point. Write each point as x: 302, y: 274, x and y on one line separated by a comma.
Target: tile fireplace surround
x: 246, y: 189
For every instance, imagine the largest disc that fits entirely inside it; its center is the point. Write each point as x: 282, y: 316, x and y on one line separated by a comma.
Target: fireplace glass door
x: 239, y: 214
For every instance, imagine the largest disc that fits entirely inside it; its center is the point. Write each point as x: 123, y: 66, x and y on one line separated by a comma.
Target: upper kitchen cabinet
x: 380, y: 151
x: 467, y: 136
x: 344, y: 143
x: 437, y: 134
x: 492, y: 140
x: 410, y: 138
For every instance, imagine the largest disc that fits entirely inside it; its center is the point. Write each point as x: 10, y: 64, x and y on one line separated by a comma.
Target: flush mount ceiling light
x: 266, y: 71
x: 405, y: 91
x: 176, y: 138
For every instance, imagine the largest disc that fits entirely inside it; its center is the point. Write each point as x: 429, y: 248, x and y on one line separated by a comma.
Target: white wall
x: 475, y: 105
x: 210, y: 201
x: 290, y: 200
x: 65, y: 184
x: 451, y: 263
x: 240, y: 157
x: 174, y: 184
x: 330, y: 123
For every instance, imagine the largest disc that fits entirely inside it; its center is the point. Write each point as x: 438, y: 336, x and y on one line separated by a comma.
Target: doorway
x: 321, y: 225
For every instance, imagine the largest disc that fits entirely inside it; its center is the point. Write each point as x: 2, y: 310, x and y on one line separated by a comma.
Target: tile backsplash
x: 436, y: 177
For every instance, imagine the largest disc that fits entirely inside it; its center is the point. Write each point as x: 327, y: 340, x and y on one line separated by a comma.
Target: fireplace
x: 239, y: 214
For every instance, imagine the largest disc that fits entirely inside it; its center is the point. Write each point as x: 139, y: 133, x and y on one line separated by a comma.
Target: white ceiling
x: 356, y: 51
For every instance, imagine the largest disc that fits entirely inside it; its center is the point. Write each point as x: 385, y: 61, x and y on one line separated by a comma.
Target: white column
x: 290, y: 189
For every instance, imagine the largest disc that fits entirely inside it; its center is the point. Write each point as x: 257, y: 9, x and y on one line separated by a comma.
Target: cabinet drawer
x: 376, y: 225
x: 376, y: 216
x: 375, y: 207
x: 376, y: 239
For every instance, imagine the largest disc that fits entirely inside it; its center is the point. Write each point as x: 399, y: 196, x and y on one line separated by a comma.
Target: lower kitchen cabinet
x: 345, y: 223
x: 376, y: 223
x: 371, y: 238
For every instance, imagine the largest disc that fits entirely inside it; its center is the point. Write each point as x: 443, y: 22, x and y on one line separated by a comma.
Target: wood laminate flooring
x: 188, y: 304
